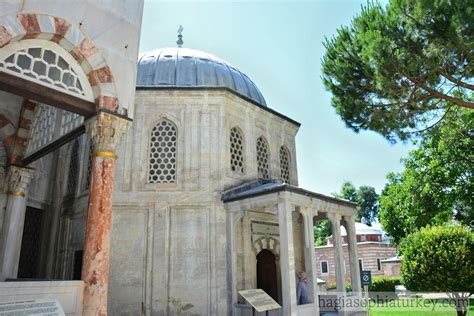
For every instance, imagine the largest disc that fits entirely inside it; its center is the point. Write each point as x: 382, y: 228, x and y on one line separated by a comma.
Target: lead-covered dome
x: 184, y: 67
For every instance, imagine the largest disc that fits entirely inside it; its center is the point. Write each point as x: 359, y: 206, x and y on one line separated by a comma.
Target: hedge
x: 380, y: 283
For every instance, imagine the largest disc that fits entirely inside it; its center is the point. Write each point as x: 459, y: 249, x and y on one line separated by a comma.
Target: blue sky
x: 278, y: 44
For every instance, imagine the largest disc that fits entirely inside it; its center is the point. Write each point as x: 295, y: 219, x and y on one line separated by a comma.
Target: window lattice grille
x: 70, y: 121
x: 73, y: 168
x: 162, y: 163
x: 3, y: 163
x: 236, y: 150
x: 262, y: 158
x: 285, y: 164
x: 87, y: 181
x: 42, y: 131
x: 46, y: 66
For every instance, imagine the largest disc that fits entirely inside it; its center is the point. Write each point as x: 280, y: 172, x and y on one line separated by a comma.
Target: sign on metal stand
x: 366, y: 281
x: 260, y: 301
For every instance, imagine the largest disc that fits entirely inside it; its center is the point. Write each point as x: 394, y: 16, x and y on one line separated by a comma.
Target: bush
x: 384, y: 284
x: 380, y: 283
x: 439, y: 259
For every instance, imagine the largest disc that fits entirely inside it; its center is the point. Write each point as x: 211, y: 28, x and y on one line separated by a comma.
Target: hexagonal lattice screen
x: 236, y: 150
x: 285, y: 164
x: 262, y: 158
x: 47, y: 67
x: 162, y: 163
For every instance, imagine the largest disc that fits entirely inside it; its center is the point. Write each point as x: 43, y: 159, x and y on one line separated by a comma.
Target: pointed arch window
x: 163, y: 147
x: 285, y: 164
x: 262, y: 158
x: 236, y: 150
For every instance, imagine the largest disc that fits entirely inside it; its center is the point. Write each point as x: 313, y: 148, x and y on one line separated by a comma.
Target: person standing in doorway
x: 301, y: 290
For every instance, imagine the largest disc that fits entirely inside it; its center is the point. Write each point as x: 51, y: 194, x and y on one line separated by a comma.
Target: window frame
x: 288, y: 153
x: 321, y: 266
x: 229, y: 138
x: 267, y: 145
x: 148, y: 157
x: 361, y: 264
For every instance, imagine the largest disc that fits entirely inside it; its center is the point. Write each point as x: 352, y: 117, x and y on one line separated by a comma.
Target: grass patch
x: 417, y: 306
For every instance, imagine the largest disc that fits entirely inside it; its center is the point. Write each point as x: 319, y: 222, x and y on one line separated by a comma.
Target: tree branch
x: 437, y: 94
x: 457, y: 81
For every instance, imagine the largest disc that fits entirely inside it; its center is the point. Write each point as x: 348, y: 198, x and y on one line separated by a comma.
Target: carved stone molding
x: 269, y: 243
x: 106, y: 131
x: 18, y: 179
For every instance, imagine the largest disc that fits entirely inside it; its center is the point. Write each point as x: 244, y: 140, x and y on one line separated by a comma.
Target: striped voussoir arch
x: 14, y: 139
x: 73, y: 40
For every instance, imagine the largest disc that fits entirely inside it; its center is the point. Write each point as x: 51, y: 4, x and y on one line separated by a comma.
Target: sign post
x: 366, y: 280
x: 260, y: 301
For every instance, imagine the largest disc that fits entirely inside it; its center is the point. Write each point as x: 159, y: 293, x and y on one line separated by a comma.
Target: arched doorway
x: 267, y: 273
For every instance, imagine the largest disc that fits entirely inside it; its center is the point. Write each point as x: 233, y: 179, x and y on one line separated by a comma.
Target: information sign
x: 260, y: 300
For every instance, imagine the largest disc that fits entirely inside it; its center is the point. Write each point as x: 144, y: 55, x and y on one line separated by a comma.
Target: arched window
x: 163, y: 146
x: 262, y: 158
x: 285, y: 164
x: 236, y: 150
x: 48, y: 64
x: 73, y: 168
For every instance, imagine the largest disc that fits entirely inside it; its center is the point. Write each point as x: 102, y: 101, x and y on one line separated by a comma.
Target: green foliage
x: 348, y: 192
x: 366, y: 199
x: 437, y: 182
x: 396, y: 70
x: 382, y: 283
x: 321, y: 231
x: 439, y: 259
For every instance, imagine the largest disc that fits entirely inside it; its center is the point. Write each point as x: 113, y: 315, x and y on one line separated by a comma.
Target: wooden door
x: 267, y: 273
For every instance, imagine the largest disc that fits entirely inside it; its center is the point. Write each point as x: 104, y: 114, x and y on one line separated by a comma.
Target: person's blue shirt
x: 302, y: 293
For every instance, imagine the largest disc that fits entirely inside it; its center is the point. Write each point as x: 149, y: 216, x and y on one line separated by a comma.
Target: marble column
x: 338, y: 257
x: 18, y: 180
x: 310, y: 258
x: 287, y: 258
x: 105, y: 131
x: 349, y: 224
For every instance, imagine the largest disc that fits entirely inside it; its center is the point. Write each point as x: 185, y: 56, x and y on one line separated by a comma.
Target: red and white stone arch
x: 74, y: 40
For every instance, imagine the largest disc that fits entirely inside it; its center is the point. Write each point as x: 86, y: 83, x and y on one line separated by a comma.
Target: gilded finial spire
x: 180, y: 36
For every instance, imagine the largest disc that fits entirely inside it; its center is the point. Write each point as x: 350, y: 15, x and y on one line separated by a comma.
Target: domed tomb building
x: 206, y: 200
x: 205, y: 203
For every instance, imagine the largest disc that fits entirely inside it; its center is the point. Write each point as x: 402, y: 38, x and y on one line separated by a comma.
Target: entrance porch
x: 273, y: 222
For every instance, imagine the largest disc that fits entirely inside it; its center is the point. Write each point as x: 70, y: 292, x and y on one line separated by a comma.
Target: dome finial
x: 180, y: 36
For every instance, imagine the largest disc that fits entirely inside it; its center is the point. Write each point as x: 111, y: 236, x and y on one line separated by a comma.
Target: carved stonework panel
x: 265, y: 236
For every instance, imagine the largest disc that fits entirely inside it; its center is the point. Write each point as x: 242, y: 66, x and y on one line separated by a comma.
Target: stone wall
x: 169, y: 242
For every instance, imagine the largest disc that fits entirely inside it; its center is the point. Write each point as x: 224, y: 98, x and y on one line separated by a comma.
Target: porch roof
x: 263, y: 187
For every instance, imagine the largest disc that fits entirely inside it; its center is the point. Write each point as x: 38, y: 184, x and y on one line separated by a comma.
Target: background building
x: 373, y: 248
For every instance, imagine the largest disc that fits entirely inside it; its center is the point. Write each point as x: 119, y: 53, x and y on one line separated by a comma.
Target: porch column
x: 338, y: 256
x: 287, y: 257
x: 310, y: 258
x: 105, y: 131
x: 349, y: 224
x: 18, y: 180
x: 232, y: 219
